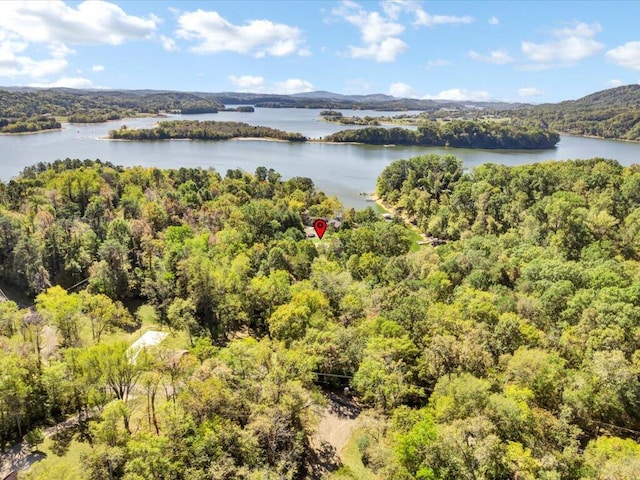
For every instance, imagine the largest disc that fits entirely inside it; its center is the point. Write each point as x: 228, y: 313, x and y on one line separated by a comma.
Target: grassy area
x: 65, y: 467
x: 68, y: 465
x: 414, y: 234
x: 352, y: 466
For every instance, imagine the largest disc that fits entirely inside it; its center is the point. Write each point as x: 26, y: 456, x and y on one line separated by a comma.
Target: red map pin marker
x: 320, y: 226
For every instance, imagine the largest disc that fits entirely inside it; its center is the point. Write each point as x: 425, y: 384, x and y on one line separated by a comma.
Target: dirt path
x: 337, y: 421
x: 20, y: 457
x: 390, y: 208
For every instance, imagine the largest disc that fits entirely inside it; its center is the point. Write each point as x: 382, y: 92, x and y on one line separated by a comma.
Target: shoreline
x: 234, y: 139
x: 259, y: 139
x: 46, y: 130
x: 595, y: 137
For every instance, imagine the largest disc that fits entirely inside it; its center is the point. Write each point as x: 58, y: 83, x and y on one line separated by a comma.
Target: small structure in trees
x: 148, y: 339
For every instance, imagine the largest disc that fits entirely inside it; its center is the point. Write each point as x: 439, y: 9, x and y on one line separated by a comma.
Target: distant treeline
x: 25, y: 111
x: 203, y: 130
x: 461, y: 134
x: 97, y: 117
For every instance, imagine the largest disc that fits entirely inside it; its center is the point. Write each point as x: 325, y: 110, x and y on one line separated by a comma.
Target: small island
x: 203, y: 130
x: 29, y: 124
x: 241, y: 109
x: 337, y: 117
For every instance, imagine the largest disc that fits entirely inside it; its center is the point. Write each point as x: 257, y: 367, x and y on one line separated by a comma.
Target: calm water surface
x: 344, y: 170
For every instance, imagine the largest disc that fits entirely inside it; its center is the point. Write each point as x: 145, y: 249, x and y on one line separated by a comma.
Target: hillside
x: 612, y: 113
x: 624, y: 96
x: 23, y: 110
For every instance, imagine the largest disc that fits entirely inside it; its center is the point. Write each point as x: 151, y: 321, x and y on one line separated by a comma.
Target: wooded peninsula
x: 36, y: 110
x: 457, y: 133
x: 510, y: 351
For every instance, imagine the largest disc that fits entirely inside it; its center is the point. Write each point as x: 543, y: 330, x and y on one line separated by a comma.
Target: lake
x: 343, y: 170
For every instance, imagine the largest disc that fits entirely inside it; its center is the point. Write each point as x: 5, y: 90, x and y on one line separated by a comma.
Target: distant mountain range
x: 317, y: 99
x: 625, y: 96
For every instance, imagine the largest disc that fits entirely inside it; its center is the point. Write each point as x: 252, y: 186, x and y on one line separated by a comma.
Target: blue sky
x: 514, y: 51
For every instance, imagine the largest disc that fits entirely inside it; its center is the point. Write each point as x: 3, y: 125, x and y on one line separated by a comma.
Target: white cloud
x: 293, y: 85
x: 530, y: 92
x: 571, y: 45
x: 259, y: 38
x: 461, y: 94
x: 374, y: 28
x: 98, y: 68
x: 423, y: 18
x: 393, y: 8
x: 67, y: 82
x: 615, y: 83
x: 60, y: 50
x: 256, y: 84
x: 88, y: 23
x: 385, y: 51
x: 169, y: 44
x: 494, y: 21
x: 579, y: 30
x: 438, y: 63
x: 497, y: 57
x: 56, y: 25
x: 402, y: 90
x: 14, y: 64
x: 248, y: 82
x: 379, y: 33
x: 627, y: 55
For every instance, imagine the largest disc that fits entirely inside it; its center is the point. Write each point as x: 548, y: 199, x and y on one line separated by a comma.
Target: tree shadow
x: 343, y: 406
x: 62, y: 440
x: 324, y: 460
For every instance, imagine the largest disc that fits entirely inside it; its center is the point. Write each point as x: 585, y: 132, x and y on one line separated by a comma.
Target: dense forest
x: 457, y: 133
x: 21, y: 111
x: 203, y: 130
x: 511, y: 351
x: 613, y: 113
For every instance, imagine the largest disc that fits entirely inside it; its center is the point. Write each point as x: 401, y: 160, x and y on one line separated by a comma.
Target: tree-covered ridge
x: 458, y: 133
x: 203, y: 130
x: 509, y: 352
x: 613, y: 113
x: 94, y: 106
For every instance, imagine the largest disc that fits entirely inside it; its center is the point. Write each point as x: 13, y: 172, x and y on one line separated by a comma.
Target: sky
x: 529, y: 51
